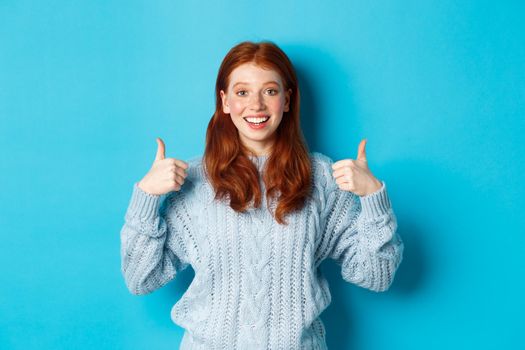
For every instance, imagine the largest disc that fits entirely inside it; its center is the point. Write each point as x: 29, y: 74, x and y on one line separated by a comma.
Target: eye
x: 274, y: 91
x: 237, y: 93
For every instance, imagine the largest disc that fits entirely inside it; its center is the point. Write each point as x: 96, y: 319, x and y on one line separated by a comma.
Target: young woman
x: 255, y: 216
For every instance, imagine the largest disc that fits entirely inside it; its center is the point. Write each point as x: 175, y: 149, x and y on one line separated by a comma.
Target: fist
x: 166, y: 174
x: 354, y: 175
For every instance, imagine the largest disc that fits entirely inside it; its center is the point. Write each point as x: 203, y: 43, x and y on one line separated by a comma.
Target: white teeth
x: 257, y: 120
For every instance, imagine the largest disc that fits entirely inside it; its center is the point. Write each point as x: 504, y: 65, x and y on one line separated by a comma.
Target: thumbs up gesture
x: 165, y: 175
x: 354, y: 175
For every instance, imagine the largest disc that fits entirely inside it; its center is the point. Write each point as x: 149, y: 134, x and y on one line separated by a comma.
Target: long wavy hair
x: 287, y: 173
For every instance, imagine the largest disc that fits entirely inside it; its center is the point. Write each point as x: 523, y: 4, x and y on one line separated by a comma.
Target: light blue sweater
x: 257, y: 284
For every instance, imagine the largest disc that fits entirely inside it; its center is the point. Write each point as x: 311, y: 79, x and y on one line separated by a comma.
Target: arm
x: 361, y: 235
x: 152, y: 246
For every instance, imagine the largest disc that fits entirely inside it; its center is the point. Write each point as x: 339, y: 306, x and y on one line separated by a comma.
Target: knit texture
x: 257, y: 283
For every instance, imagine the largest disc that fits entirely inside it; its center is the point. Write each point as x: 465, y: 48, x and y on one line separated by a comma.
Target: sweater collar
x: 259, y: 161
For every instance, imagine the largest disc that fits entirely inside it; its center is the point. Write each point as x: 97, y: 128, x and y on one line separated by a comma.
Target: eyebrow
x: 268, y: 82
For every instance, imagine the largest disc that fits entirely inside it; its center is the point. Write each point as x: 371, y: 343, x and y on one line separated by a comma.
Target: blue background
x: 437, y: 88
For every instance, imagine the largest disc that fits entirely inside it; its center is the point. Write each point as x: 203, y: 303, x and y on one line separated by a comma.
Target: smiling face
x: 256, y: 100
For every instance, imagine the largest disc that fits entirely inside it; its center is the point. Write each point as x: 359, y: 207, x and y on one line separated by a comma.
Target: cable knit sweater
x: 257, y: 284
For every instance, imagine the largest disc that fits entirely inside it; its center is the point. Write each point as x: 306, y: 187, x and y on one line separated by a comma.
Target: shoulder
x: 195, y: 169
x: 325, y: 188
x: 196, y: 189
x: 194, y: 177
x: 323, y: 180
x: 322, y: 170
x: 321, y: 160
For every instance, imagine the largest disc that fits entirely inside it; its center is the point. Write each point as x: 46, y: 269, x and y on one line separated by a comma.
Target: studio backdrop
x: 436, y: 87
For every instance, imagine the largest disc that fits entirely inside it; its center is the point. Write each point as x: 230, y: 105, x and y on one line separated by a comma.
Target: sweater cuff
x: 377, y: 203
x: 143, y: 205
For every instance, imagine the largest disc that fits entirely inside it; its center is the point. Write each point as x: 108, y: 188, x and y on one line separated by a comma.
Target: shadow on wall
x: 339, y: 318
x: 162, y: 300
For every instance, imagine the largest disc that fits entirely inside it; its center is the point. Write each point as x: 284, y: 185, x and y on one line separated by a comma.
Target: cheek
x: 236, y: 107
x: 277, y: 104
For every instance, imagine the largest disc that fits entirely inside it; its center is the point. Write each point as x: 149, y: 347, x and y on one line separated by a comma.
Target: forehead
x: 252, y: 74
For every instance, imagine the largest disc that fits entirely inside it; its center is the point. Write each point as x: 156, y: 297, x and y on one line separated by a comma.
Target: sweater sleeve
x: 361, y: 235
x: 152, y: 244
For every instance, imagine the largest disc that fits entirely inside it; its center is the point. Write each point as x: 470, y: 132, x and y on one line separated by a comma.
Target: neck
x: 258, y: 148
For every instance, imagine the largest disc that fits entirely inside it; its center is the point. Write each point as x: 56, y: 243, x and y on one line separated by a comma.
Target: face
x: 255, y: 100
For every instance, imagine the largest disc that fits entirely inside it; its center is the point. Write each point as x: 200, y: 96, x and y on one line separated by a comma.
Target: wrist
x: 140, y: 185
x: 376, y: 203
x: 376, y: 186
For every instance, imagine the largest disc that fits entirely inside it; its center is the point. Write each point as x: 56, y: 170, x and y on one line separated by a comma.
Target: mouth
x: 257, y: 121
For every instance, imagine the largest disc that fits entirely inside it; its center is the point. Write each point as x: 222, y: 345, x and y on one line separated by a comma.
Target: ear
x: 287, y: 100
x: 225, y: 106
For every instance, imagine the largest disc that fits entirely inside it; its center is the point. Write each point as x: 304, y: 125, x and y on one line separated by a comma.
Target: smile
x: 257, y: 121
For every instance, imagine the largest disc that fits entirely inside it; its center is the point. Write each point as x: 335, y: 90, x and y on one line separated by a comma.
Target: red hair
x: 287, y: 175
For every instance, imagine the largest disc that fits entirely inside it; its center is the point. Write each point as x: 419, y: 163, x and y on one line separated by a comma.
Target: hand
x: 165, y: 175
x: 354, y: 175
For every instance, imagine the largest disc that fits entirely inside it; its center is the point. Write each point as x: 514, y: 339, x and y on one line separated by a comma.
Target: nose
x: 257, y: 102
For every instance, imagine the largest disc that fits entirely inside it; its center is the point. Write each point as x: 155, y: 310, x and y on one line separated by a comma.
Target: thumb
x: 361, y: 153
x: 161, y: 149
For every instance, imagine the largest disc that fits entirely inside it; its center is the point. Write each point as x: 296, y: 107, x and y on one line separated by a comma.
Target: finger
x: 175, y: 186
x: 341, y: 172
x: 174, y: 162
x: 342, y: 181
x: 361, y: 152
x: 175, y: 182
x: 182, y: 164
x: 342, y: 163
x: 179, y: 179
x: 161, y: 149
x: 174, y: 169
x: 181, y: 172
x: 347, y: 187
